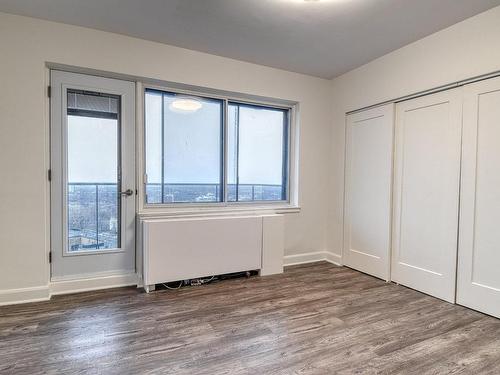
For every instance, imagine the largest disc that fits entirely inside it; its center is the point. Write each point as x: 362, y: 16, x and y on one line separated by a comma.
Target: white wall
x: 27, y: 44
x: 462, y: 51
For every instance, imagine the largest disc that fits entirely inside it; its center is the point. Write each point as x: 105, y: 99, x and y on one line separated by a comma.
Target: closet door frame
x: 360, y: 259
x: 441, y: 285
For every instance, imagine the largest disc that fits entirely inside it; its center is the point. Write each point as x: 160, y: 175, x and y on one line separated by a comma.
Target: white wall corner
x: 333, y: 258
x: 317, y: 256
x: 24, y: 295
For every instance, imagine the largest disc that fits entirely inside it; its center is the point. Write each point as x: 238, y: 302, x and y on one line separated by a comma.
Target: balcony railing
x: 179, y: 193
x: 93, y: 216
x: 93, y: 208
x: 105, y: 195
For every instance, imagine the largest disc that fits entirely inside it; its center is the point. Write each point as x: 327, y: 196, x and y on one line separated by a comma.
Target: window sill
x: 170, y: 212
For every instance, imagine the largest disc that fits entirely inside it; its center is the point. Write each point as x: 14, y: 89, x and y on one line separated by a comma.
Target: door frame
x: 57, y: 187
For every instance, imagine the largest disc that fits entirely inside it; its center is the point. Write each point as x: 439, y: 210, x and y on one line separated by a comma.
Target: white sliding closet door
x: 426, y: 193
x: 368, y: 180
x: 478, y: 284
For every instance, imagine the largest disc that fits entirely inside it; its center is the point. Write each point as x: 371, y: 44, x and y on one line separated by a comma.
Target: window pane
x: 183, y: 148
x: 92, y: 200
x: 154, y: 146
x: 257, y: 139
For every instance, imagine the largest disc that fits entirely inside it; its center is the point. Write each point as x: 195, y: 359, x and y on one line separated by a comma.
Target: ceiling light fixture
x: 308, y: 1
x: 186, y: 104
x: 314, y: 1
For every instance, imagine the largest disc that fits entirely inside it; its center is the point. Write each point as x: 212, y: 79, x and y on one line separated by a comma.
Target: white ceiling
x: 324, y: 38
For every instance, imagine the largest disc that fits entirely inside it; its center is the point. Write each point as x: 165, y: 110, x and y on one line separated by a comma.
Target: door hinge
x: 49, y: 174
x: 49, y: 91
x: 50, y: 256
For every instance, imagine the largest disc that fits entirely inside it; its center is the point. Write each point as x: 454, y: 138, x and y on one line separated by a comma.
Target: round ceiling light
x: 186, y: 104
x: 313, y: 1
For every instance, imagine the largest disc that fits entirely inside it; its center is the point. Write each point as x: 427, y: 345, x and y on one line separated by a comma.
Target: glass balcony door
x: 92, y: 187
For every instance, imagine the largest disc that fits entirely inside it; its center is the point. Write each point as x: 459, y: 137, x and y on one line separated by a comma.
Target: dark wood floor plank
x: 313, y: 319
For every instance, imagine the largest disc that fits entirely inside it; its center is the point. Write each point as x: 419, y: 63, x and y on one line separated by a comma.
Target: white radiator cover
x: 185, y: 248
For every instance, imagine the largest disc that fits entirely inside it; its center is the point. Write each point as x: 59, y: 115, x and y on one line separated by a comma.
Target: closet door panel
x: 426, y: 186
x: 367, y: 221
x: 478, y: 281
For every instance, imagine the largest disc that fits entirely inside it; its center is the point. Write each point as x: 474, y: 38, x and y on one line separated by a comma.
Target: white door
x: 478, y: 281
x: 426, y: 193
x: 93, y: 176
x: 368, y: 185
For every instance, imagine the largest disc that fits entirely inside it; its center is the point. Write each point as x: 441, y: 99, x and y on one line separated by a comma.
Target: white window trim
x: 197, y: 209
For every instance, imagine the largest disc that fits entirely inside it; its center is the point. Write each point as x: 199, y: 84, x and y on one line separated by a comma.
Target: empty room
x: 249, y: 187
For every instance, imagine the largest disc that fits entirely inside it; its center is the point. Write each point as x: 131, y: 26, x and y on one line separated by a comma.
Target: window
x: 257, y: 167
x: 93, y: 204
x: 183, y: 148
x: 208, y: 150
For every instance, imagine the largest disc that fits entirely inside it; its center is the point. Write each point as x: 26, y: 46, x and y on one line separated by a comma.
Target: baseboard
x: 317, y: 256
x: 292, y: 260
x: 24, y: 295
x: 333, y: 258
x: 67, y: 286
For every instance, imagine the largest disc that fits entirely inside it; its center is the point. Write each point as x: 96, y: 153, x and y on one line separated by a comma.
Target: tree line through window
x: 208, y: 150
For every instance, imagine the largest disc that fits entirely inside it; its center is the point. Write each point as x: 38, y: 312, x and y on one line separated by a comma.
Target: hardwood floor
x: 313, y: 319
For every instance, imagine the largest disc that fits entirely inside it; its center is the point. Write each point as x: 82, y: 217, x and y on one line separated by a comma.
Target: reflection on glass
x: 256, y: 153
x: 183, y: 148
x: 93, y: 203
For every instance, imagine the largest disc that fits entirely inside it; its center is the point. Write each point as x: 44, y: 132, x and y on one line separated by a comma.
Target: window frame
x: 119, y: 172
x: 285, y: 153
x: 290, y: 203
x: 221, y: 150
